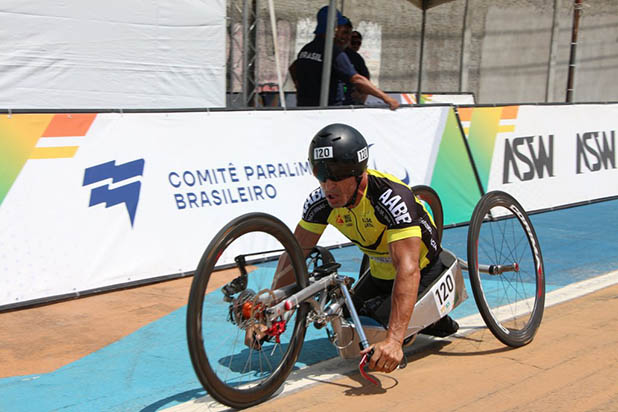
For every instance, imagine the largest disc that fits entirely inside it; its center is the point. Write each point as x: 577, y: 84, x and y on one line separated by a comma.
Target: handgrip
x: 361, y: 367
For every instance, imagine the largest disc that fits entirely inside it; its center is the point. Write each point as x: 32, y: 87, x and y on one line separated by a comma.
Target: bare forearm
x: 365, y: 86
x: 284, y: 274
x: 403, y: 300
x: 388, y: 352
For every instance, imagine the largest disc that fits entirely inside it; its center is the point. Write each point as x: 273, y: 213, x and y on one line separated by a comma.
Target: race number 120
x: 323, y: 153
x: 444, y: 294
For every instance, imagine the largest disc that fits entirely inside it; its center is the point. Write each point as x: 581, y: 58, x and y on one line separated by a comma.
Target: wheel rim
x: 513, y: 298
x: 233, y: 373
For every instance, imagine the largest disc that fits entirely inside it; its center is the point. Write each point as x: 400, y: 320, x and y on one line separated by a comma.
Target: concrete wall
x: 506, y: 55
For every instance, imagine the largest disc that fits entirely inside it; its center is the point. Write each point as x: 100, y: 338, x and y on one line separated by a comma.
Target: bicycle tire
x: 511, y: 303
x: 239, y: 396
x: 431, y: 198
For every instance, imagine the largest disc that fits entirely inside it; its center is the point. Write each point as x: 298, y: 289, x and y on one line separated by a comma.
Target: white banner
x: 110, y: 198
x: 112, y: 54
x: 548, y: 156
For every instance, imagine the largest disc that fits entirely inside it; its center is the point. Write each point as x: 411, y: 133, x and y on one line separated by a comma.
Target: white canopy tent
x: 114, y: 54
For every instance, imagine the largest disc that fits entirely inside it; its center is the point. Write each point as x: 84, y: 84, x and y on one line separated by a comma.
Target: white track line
x: 335, y: 368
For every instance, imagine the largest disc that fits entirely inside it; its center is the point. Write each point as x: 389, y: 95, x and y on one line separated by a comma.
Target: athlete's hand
x: 387, y: 355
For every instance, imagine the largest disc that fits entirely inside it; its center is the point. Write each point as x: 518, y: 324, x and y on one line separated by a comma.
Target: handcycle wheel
x: 217, y: 318
x: 432, y: 203
x: 502, y: 241
x: 430, y: 198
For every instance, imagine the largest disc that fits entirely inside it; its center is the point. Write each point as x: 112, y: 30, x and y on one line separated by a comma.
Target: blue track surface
x: 151, y: 370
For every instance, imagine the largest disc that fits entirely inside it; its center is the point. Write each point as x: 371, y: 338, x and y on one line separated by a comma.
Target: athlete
x: 380, y: 214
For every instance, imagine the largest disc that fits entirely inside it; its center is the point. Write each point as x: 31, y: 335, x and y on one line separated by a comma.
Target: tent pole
x: 464, y: 54
x: 245, y: 52
x: 328, y: 53
x: 553, y: 51
x: 420, y: 60
x: 577, y: 7
x: 273, y: 23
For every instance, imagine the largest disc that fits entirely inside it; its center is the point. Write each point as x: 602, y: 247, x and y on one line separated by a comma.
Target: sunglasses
x: 356, y: 42
x: 334, y: 172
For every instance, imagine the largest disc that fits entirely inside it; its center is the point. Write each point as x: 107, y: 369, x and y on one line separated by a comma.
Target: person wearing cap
x: 306, y: 70
x: 380, y: 214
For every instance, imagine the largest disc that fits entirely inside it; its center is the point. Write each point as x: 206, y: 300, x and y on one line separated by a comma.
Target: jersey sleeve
x: 398, y: 234
x: 395, y: 206
x: 315, y: 212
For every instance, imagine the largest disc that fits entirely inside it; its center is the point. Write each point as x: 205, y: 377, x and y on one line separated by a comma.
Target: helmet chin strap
x: 353, y: 197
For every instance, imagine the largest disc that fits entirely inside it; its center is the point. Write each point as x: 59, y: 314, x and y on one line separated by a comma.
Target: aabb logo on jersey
x: 596, y: 151
x: 396, y: 206
x: 528, y: 157
x: 314, y: 197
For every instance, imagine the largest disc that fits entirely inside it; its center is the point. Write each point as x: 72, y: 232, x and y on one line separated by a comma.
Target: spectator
x: 356, y: 40
x: 306, y: 70
x: 344, y: 34
x: 353, y: 94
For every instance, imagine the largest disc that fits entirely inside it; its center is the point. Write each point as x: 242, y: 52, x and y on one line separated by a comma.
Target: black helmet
x: 338, y: 151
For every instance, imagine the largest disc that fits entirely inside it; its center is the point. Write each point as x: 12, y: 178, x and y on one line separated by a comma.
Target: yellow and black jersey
x: 387, y: 212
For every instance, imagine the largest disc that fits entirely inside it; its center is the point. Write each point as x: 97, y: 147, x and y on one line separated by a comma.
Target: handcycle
x: 505, y: 271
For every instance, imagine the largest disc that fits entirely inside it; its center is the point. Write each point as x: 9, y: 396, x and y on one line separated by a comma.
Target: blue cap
x: 323, y: 16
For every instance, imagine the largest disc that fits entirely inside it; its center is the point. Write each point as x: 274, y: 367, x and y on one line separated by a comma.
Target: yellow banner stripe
x: 53, y: 152
x: 506, y: 128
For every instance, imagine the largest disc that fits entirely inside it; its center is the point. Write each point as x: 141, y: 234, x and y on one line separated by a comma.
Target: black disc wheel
x: 506, y: 270
x: 240, y: 356
x: 433, y: 205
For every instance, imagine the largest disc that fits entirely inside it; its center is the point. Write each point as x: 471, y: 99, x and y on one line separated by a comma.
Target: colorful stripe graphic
x: 453, y: 176
x: 31, y: 136
x: 481, y: 126
x: 410, y: 98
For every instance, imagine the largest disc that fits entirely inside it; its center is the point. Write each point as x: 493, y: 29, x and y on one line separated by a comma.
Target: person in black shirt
x: 356, y: 40
x: 353, y: 95
x: 306, y: 70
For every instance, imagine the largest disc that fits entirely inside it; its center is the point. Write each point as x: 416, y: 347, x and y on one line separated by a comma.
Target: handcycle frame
x: 319, y: 296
